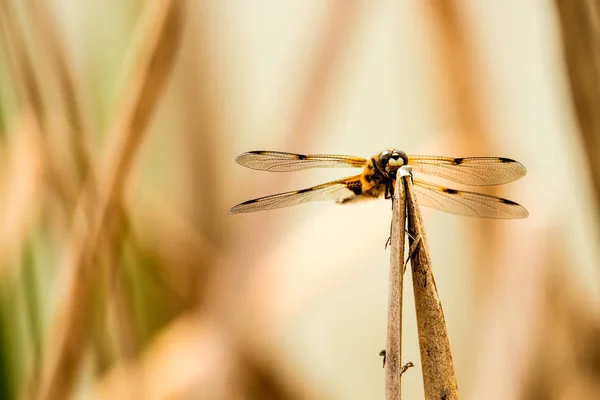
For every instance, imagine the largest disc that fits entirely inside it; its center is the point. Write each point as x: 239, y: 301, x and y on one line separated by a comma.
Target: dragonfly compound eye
x: 384, y: 157
x: 398, y: 159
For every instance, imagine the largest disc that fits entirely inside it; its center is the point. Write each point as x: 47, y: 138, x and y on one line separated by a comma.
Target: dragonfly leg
x: 389, y: 189
x: 389, y: 240
x: 412, y: 250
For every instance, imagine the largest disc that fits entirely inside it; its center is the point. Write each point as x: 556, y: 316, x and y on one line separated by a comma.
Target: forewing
x: 478, y: 171
x: 340, y: 190
x: 276, y: 161
x: 466, y: 203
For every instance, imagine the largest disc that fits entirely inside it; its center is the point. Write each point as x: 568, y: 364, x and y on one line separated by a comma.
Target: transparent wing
x: 276, y: 161
x: 478, y: 171
x: 466, y: 203
x: 341, y: 190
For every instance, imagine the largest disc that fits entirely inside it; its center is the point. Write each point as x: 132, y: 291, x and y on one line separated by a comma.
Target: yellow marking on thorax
x: 370, y: 187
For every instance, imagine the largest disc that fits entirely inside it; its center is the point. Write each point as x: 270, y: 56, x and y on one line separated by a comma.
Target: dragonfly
x: 377, y: 180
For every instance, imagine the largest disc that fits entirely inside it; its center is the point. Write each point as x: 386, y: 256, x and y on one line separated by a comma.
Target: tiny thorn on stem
x: 412, y: 250
x: 388, y: 242
x: 405, y: 367
x: 383, y: 353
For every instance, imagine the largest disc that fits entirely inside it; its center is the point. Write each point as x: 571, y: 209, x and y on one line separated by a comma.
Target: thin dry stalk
x: 580, y: 29
x: 457, y: 70
x: 330, y: 47
x: 47, y: 45
x: 153, y: 59
x: 203, y: 135
x: 439, y: 379
x: 393, y: 354
x: 29, y: 94
x: 48, y: 37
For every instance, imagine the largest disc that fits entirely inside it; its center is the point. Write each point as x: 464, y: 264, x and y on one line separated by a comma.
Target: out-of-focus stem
x: 580, y: 31
x: 153, y: 60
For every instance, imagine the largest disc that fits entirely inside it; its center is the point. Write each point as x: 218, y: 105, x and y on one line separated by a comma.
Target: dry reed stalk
x: 393, y: 355
x: 330, y: 48
x: 47, y: 45
x: 29, y: 96
x: 458, y: 72
x: 439, y: 380
x: 49, y: 38
x: 153, y: 59
x: 566, y: 335
x: 580, y: 30
x: 118, y: 305
x: 203, y: 139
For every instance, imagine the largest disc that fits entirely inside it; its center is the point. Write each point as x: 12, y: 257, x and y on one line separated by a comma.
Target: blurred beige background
x: 133, y: 282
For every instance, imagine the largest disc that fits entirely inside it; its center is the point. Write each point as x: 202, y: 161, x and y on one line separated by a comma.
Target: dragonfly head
x: 389, y: 161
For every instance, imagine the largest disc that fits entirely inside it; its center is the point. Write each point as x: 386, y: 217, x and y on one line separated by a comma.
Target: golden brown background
x: 122, y: 276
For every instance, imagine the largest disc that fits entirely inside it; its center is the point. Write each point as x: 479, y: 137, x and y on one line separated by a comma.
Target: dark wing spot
x: 301, y: 156
x: 506, y: 160
x: 304, y: 190
x: 355, y: 187
x: 249, y: 202
x: 458, y: 161
x: 506, y: 201
x: 450, y: 191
